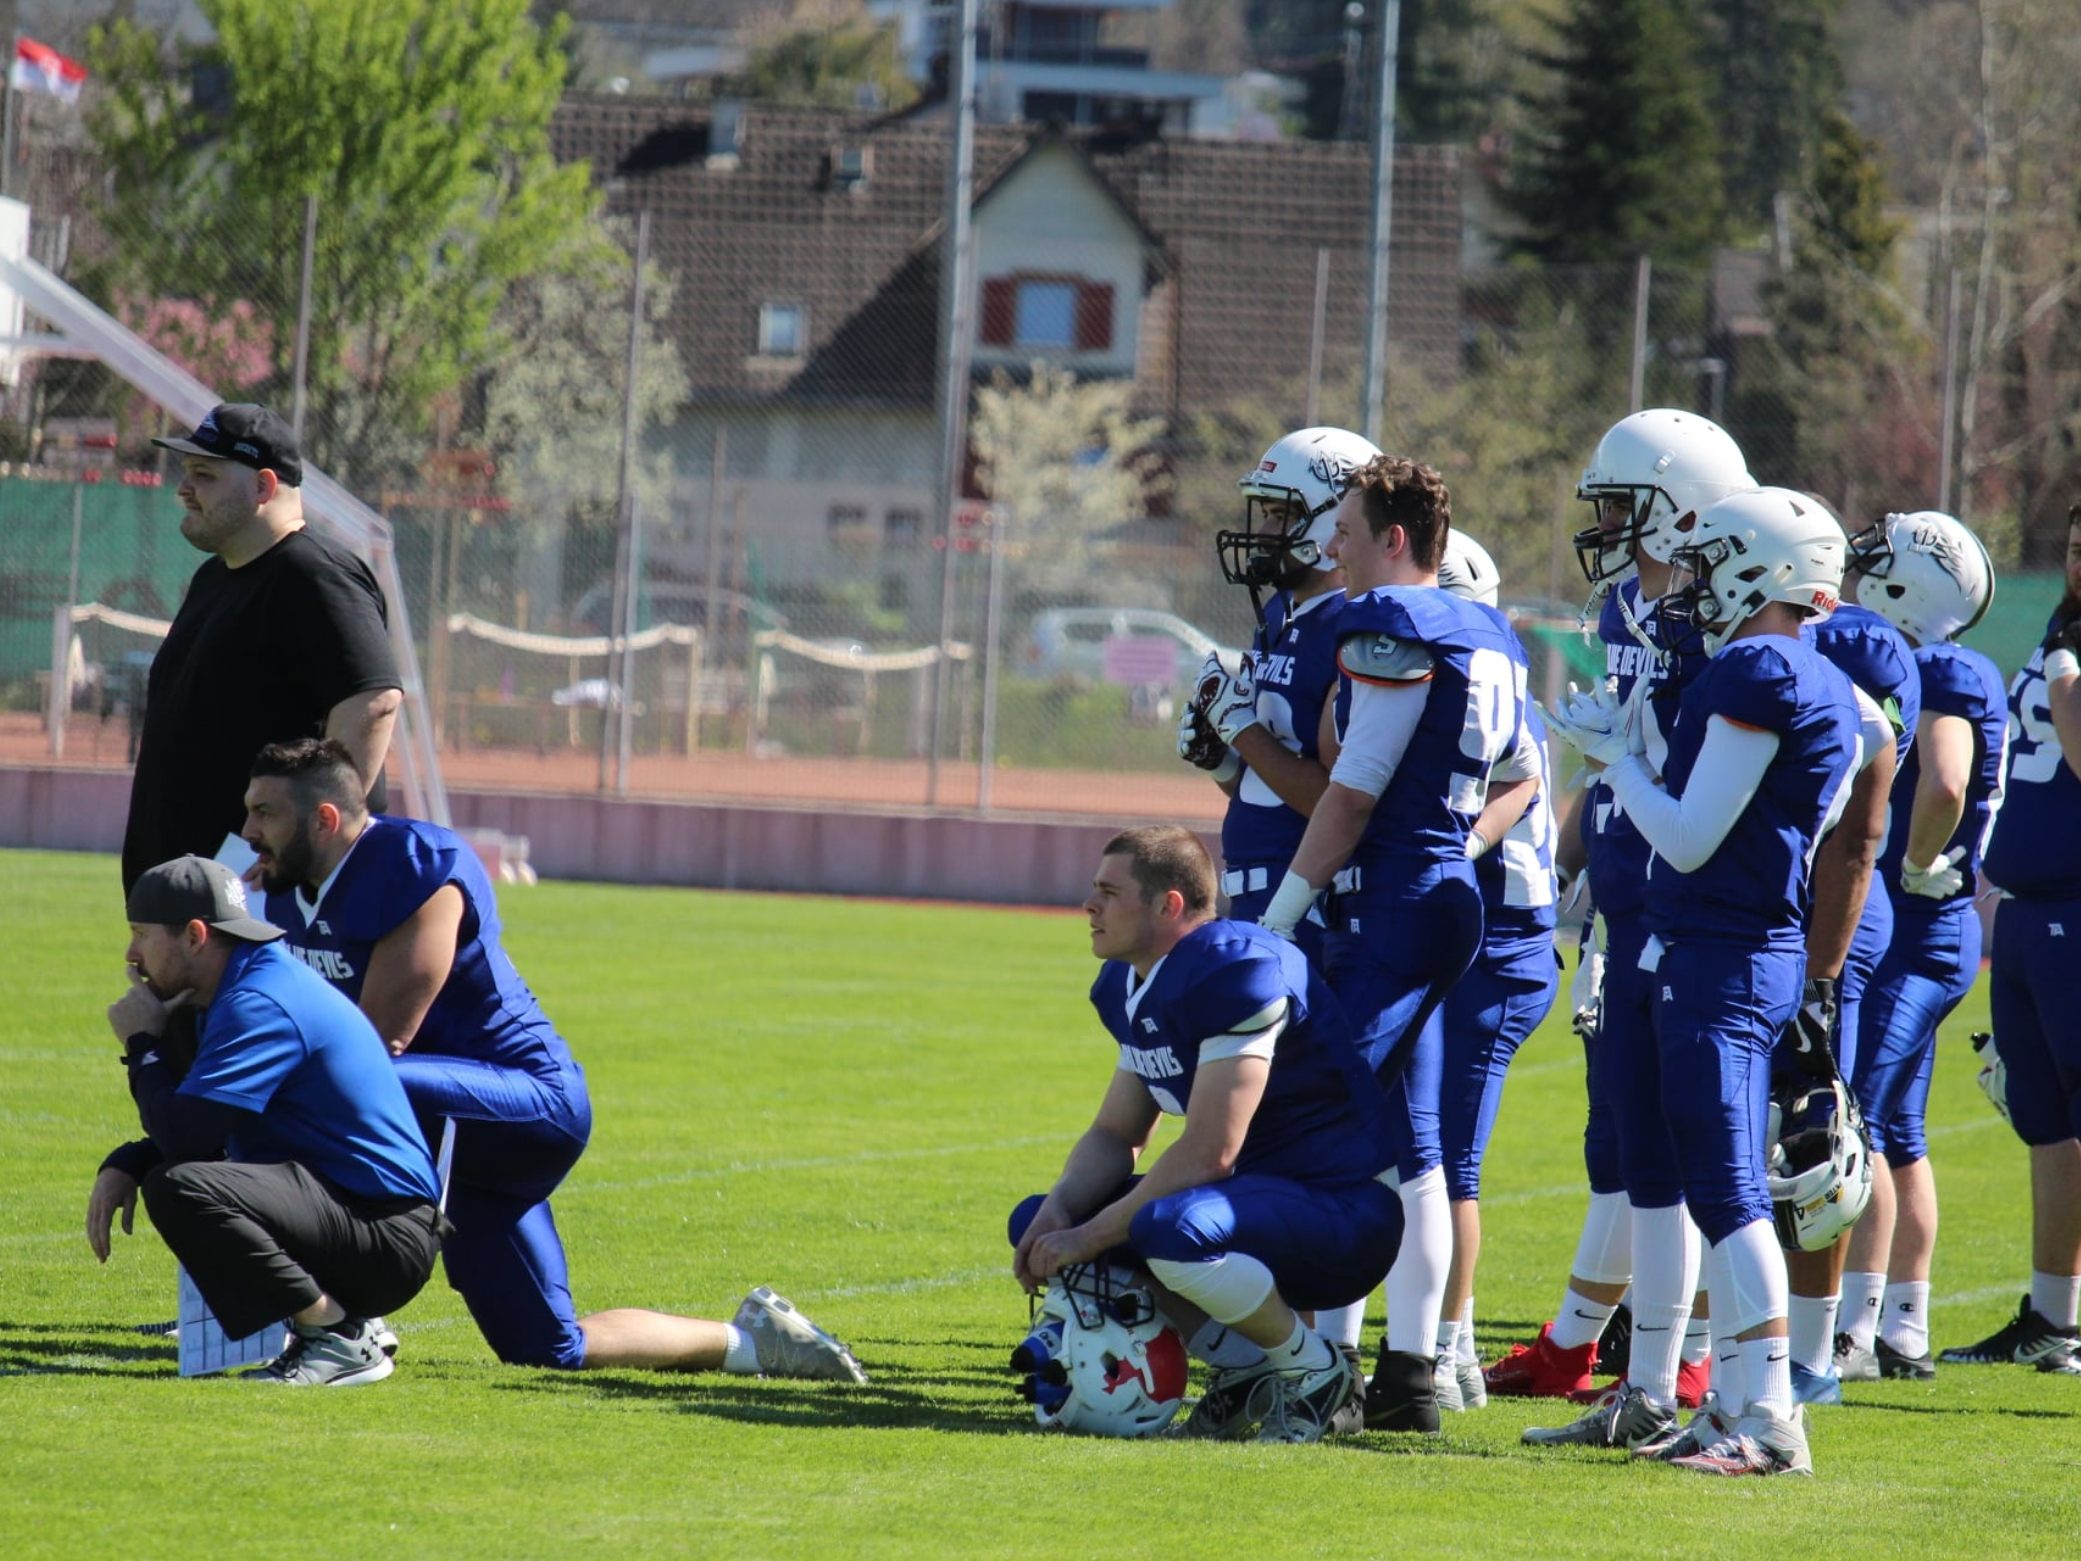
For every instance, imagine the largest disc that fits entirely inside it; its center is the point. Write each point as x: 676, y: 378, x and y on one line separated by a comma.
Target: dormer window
x: 783, y: 330
x: 1047, y: 313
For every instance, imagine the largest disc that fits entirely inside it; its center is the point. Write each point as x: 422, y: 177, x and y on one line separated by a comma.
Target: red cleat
x: 1542, y: 1370
x: 1692, y: 1382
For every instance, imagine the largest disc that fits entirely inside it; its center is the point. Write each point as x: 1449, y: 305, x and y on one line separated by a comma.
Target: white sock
x: 1697, y: 1340
x: 1416, y: 1284
x: 1449, y: 1339
x: 1767, y: 1366
x: 1220, y: 1345
x: 1906, y: 1325
x: 1580, y: 1321
x: 1604, y: 1250
x: 1466, y: 1355
x: 2056, y: 1297
x: 1304, y: 1350
x: 1665, y: 1277
x: 1813, y: 1331
x: 1342, y: 1324
x: 1864, y: 1297
x: 1728, y: 1382
x: 740, y: 1355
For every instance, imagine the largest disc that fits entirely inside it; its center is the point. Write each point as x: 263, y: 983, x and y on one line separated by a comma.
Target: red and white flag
x: 40, y: 68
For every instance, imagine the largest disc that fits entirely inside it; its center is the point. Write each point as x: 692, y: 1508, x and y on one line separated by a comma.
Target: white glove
x: 1939, y: 880
x: 1234, y: 708
x: 1994, y: 1073
x: 1292, y: 900
x: 1594, y: 724
x: 1586, y: 992
x: 1216, y: 670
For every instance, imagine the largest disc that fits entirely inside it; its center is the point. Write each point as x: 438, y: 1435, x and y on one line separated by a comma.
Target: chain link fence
x: 804, y: 628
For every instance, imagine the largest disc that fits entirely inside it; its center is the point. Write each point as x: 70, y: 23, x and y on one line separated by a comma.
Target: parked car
x: 1071, y: 641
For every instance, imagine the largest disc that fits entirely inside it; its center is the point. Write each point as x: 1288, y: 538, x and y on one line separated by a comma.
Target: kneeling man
x: 1271, y: 1198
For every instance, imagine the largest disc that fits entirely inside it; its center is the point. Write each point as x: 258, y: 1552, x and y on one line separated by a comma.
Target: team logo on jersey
x: 2058, y: 929
x: 1275, y: 669
x: 329, y: 963
x: 1153, y: 1062
x: 1149, y: 1025
x: 321, y: 929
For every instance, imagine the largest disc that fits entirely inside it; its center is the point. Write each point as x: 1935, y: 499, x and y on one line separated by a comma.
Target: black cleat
x: 2029, y: 1340
x: 1615, y: 1348
x: 1898, y: 1363
x: 1403, y: 1395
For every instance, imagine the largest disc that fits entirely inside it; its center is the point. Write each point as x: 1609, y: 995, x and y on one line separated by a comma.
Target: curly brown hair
x: 1396, y: 491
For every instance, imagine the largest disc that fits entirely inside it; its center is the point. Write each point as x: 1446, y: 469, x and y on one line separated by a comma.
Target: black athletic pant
x: 264, y: 1241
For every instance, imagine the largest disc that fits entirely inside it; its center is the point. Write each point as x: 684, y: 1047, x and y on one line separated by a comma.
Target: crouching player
x: 399, y: 916
x: 1762, y: 755
x: 1272, y: 1197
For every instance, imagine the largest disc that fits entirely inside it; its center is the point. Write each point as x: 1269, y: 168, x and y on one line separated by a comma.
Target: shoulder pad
x: 1381, y: 658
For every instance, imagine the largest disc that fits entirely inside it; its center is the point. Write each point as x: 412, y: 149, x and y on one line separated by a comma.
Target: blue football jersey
x: 1958, y: 682
x: 1473, y: 715
x: 1295, y: 655
x: 1879, y: 660
x: 1671, y: 657
x: 1322, y: 1118
x: 1519, y: 894
x: 1753, y: 889
x: 2036, y: 846
x: 485, y: 1010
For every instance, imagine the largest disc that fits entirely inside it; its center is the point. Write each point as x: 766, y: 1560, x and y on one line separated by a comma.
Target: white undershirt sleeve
x: 1256, y: 1036
x: 1686, y: 830
x: 1383, y: 719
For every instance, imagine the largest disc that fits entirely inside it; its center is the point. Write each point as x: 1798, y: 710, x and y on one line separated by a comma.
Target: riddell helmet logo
x: 1825, y: 601
x: 1267, y: 466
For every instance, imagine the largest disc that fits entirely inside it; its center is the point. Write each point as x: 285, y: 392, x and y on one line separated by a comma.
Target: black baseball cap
x: 194, y: 888
x: 248, y: 434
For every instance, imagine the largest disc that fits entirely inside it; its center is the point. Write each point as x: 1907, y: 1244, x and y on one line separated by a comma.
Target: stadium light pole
x: 956, y: 341
x: 614, y: 712
x: 1373, y: 378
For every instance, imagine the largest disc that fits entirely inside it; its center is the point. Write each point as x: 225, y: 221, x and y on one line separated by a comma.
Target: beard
x: 283, y: 870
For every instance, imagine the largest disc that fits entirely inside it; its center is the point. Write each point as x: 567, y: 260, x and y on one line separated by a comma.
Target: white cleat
x: 790, y: 1345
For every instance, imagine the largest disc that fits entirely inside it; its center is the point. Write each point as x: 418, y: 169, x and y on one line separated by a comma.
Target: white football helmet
x: 1467, y: 570
x: 1666, y: 466
x: 1289, y: 506
x: 1820, y: 1166
x: 1118, y: 1369
x: 1924, y: 572
x: 1751, y: 549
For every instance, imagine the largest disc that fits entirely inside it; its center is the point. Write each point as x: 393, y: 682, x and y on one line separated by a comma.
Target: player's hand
x: 1047, y: 1220
x: 1216, y: 670
x: 1586, y: 992
x: 1811, y: 1035
x: 1939, y: 880
x: 141, y: 1011
x: 1592, y: 723
x: 2064, y: 636
x: 1994, y: 1073
x: 1199, y: 745
x: 1234, y: 709
x: 1060, y: 1248
x: 113, y: 1190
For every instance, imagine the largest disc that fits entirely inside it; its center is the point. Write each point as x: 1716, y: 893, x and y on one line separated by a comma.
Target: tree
x: 422, y: 129
x: 553, y: 413
x: 1070, y: 461
x: 1620, y: 157
x: 1775, y: 74
x: 827, y: 54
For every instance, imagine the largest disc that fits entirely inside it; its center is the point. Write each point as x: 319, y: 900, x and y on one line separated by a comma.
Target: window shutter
x: 1094, y: 316
x: 1000, y: 312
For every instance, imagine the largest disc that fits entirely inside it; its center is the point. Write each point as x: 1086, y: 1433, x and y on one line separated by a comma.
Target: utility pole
x: 1373, y: 374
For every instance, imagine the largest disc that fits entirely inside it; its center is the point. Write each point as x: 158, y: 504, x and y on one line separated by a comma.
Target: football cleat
x: 1898, y: 1363
x: 2029, y: 1340
x: 1351, y: 1419
x: 1693, y: 1382
x: 1403, y: 1395
x: 1815, y: 1387
x: 1615, y: 1348
x: 1624, y: 1417
x: 1301, y: 1406
x: 1704, y: 1429
x: 1473, y: 1385
x: 1445, y: 1384
x: 790, y: 1345
x: 1541, y: 1369
x: 1853, y: 1361
x: 1759, y: 1443
x: 1223, y: 1411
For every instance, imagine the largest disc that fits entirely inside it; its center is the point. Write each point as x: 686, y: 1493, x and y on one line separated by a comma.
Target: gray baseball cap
x: 194, y: 888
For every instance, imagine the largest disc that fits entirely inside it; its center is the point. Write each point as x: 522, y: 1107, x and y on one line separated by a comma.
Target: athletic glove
x: 1938, y: 881
x: 1234, y: 708
x: 1199, y: 745
x: 1808, y: 1042
x: 1586, y: 992
x: 1994, y: 1073
x: 2064, y: 636
x: 1592, y: 723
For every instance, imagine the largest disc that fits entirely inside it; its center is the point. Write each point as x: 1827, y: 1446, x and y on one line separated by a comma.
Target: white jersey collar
x: 309, y: 904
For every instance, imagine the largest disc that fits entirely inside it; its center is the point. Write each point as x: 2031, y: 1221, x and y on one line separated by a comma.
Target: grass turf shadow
x: 70, y: 1349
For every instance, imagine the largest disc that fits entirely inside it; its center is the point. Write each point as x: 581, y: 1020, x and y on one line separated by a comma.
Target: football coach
x: 284, y: 1167
x: 281, y: 635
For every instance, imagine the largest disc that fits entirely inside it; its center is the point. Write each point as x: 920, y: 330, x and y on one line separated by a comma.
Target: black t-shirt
x: 256, y: 655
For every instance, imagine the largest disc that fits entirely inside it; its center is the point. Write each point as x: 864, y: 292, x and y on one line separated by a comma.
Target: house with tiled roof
x: 803, y: 249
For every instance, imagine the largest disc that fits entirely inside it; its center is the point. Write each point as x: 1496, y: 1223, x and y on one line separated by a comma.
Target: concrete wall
x: 706, y: 845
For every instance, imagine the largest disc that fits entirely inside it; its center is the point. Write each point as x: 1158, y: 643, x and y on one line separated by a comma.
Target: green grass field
x: 843, y: 1099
